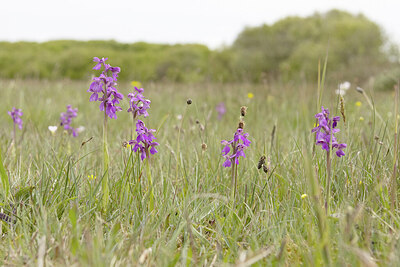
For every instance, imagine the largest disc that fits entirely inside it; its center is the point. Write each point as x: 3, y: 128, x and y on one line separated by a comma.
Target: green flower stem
x: 178, y: 154
x: 150, y: 182
x: 234, y: 176
x: 328, y: 180
x: 104, y: 184
x: 15, y: 136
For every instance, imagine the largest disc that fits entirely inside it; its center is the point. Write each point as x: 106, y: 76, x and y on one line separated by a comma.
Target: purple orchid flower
x: 144, y: 142
x: 325, y: 131
x: 16, y: 114
x: 99, y: 62
x: 138, y: 105
x: 66, y: 119
x: 239, y: 143
x: 221, y: 109
x: 106, y: 85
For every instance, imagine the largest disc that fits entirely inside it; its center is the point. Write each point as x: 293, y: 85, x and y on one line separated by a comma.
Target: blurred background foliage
x: 288, y: 50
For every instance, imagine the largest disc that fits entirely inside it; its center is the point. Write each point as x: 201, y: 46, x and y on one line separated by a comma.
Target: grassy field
x: 187, y: 216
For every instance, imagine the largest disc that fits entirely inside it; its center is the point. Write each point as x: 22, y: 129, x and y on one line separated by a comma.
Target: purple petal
x: 340, y: 153
x: 227, y: 163
x: 226, y: 150
x: 325, y: 146
x: 97, y: 67
x: 153, y: 150
x: 143, y: 155
x: 93, y: 97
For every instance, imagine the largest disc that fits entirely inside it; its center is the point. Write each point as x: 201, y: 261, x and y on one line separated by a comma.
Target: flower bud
x: 243, y: 111
x: 261, y: 162
x: 360, y: 90
x: 204, y: 146
x: 265, y: 169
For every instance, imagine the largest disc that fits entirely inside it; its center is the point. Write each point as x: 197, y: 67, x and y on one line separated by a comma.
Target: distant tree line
x: 287, y: 50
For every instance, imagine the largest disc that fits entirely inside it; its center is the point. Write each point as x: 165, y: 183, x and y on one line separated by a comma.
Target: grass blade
x: 4, y: 178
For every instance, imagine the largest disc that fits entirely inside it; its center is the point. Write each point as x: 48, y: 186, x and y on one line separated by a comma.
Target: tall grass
x: 56, y: 210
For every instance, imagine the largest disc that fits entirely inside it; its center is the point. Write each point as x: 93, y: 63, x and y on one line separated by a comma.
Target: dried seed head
x: 204, y: 146
x: 243, y: 111
x: 201, y: 127
x: 265, y: 169
x: 189, y: 101
x: 87, y: 141
x: 360, y: 90
x: 261, y: 162
x: 241, y: 124
x: 342, y: 109
x: 197, y: 121
x: 267, y: 166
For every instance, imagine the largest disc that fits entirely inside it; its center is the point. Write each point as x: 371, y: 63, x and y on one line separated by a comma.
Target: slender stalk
x: 235, y: 181
x: 14, y: 145
x: 328, y: 180
x: 370, y: 104
x: 150, y: 181
x: 178, y: 155
x: 104, y: 184
x: 133, y: 137
x: 234, y: 175
x: 393, y: 195
x: 133, y: 126
x: 15, y: 136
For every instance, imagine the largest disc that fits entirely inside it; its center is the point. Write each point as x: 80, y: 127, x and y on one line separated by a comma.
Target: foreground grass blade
x: 4, y: 178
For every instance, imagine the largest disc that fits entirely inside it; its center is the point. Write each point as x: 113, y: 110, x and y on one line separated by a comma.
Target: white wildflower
x: 52, y: 129
x: 345, y: 86
x: 80, y: 129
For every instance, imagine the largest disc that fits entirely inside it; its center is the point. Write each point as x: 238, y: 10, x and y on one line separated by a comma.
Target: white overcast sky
x: 210, y: 22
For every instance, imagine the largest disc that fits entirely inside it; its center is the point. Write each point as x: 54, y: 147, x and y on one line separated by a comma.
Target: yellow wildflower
x: 136, y: 84
x: 358, y: 104
x: 91, y: 177
x: 303, y: 196
x: 250, y: 95
x: 361, y: 118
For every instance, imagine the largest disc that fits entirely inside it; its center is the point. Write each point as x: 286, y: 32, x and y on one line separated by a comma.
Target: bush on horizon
x: 288, y: 50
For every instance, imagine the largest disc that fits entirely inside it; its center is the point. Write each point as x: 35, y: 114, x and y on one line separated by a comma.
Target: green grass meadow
x: 187, y: 215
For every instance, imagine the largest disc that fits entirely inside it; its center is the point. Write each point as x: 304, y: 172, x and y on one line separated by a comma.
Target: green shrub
x: 286, y: 50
